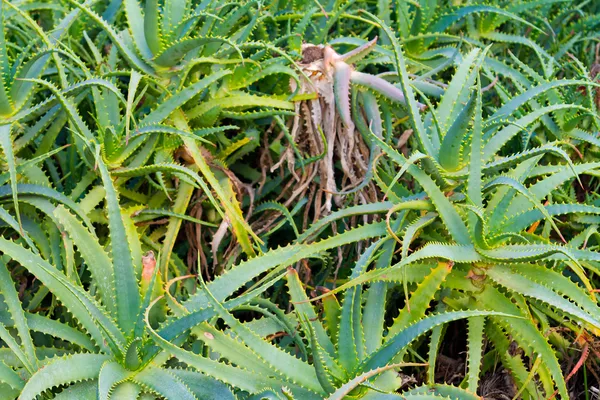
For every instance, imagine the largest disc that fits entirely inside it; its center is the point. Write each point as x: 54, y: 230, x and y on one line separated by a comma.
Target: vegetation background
x: 391, y: 199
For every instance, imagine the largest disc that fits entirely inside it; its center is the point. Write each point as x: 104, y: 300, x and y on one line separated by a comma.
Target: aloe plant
x: 489, y: 226
x: 341, y: 357
x: 253, y: 199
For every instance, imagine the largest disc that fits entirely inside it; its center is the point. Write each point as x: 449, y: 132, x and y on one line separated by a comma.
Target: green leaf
x: 510, y: 107
x: 457, y: 91
x: 419, y: 301
x: 238, y: 101
x: 413, y: 106
x: 298, y: 297
x: 26, y: 190
x: 152, y: 30
x: 63, y: 371
x: 110, y: 374
x: 180, y: 98
x: 396, y: 344
x: 288, y: 366
x: 204, y: 387
x: 97, y: 260
x: 475, y: 344
x: 437, y: 391
x: 240, y: 378
x: 544, y: 290
x: 103, y: 330
x: 11, y: 299
x: 448, y: 213
x: 226, y: 284
x: 452, y: 144
x: 176, y: 51
x: 127, y: 295
x: 128, y: 53
x: 59, y: 330
x: 526, y: 334
x: 7, y: 148
x: 9, y: 376
x: 164, y: 383
x: 135, y: 20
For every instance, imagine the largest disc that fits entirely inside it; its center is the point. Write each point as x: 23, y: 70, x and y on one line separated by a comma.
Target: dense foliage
x: 386, y: 199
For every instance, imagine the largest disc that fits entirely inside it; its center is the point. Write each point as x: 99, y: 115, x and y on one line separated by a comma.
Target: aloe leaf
x: 10, y: 377
x: 172, y: 54
x: 397, y: 343
x: 103, y: 330
x: 513, y: 363
x: 39, y: 323
x: 240, y: 378
x: 179, y: 99
x: 543, y: 291
x: 226, y: 284
x: 204, y: 387
x: 109, y: 375
x: 239, y: 225
x: 196, y: 134
x: 510, y: 107
x: 11, y: 299
x: 183, y: 173
x: 524, y: 332
x: 374, y: 309
x: 474, y: 185
x: 363, y: 209
x: 418, y: 303
x: 234, y: 82
x: 127, y: 295
x: 457, y: 90
x: 342, y: 392
x: 164, y: 383
x: 15, y: 348
x: 7, y: 147
x: 514, y: 159
x: 84, y: 390
x: 448, y: 213
x: 135, y: 20
x: 134, y: 81
x: 69, y: 108
x: 231, y: 349
x: 283, y: 363
x: 451, y: 147
x: 128, y: 53
x: 298, y: 297
x: 152, y: 30
x: 414, y: 107
x: 61, y: 371
x: 6, y: 107
x: 348, y: 346
x: 440, y: 391
x: 14, y: 224
x: 475, y: 343
x: 544, y: 186
x: 505, y: 180
x: 96, y: 258
x: 500, y: 138
x: 449, y: 19
x: 523, y: 220
x: 318, y: 356
x: 238, y: 101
